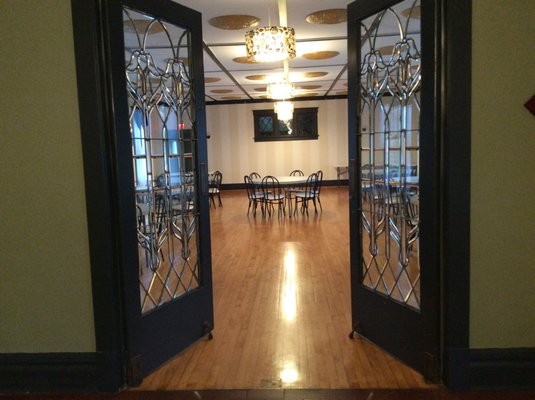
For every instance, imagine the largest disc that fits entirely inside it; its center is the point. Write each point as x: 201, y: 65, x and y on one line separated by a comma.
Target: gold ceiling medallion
x: 310, y: 87
x: 312, y: 94
x: 244, y: 60
x: 270, y: 43
x: 416, y: 12
x: 211, y: 79
x: 234, y: 22
x: 314, y: 74
x: 332, y: 16
x: 139, y: 26
x: 221, y: 91
x: 320, y: 55
x: 256, y: 77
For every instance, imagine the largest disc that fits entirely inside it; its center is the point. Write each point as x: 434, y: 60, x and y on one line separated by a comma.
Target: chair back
x: 297, y: 172
x: 310, y: 186
x: 249, y: 186
x: 215, y: 180
x: 255, y: 175
x: 319, y: 180
x: 271, y: 187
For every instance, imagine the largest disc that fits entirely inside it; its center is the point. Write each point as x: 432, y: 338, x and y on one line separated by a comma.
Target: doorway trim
x: 455, y: 141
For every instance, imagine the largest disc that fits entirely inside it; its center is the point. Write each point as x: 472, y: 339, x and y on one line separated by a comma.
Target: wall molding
x: 60, y: 372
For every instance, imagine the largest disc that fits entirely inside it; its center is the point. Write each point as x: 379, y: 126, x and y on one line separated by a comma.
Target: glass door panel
x: 159, y: 98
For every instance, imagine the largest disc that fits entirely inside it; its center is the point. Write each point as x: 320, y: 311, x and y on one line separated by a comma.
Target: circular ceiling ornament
x: 313, y: 94
x: 416, y: 12
x: 332, y: 16
x: 320, y: 55
x: 221, y: 91
x: 310, y: 87
x: 244, y: 60
x: 318, y: 74
x: 234, y: 22
x: 139, y: 26
x: 256, y: 77
x: 211, y: 79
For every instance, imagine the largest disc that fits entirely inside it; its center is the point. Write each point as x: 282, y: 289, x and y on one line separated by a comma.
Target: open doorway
x: 282, y: 307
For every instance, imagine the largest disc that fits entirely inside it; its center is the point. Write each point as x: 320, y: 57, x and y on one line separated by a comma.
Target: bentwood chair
x: 253, y: 196
x: 294, y: 188
x: 307, y: 194
x: 215, y: 188
x: 272, y: 196
x: 317, y: 190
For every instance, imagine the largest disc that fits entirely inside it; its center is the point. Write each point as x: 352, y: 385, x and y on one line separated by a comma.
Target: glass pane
x: 389, y: 147
x: 160, y: 105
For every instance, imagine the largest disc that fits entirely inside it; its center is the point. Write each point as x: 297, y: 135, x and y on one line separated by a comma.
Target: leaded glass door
x: 393, y: 157
x: 163, y: 179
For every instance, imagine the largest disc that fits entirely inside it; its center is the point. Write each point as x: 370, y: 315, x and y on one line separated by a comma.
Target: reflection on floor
x: 282, y: 308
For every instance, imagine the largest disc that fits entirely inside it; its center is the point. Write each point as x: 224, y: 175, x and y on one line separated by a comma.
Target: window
x: 303, y: 126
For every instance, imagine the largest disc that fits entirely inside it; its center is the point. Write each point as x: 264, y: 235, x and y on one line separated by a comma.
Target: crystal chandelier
x: 284, y: 110
x: 270, y: 43
x: 280, y: 90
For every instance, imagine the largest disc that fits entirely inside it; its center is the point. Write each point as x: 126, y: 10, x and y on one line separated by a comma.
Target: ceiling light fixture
x: 284, y: 110
x: 280, y: 90
x: 272, y: 43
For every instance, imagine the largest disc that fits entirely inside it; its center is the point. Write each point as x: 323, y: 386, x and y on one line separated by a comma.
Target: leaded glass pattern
x: 390, y: 82
x: 160, y: 103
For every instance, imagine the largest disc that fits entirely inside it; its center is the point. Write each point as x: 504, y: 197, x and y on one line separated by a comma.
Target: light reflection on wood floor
x: 282, y: 308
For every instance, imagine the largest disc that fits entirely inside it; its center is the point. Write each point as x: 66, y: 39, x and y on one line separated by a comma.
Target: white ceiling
x: 228, y: 44
x: 329, y: 76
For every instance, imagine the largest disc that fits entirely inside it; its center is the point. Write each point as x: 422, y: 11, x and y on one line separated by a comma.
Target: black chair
x: 294, y: 188
x: 254, y: 196
x: 317, y: 190
x: 307, y: 194
x: 255, y: 175
x: 214, y: 188
x: 272, y: 195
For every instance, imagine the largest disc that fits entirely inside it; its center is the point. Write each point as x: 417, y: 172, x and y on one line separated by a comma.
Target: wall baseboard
x: 502, y: 368
x: 512, y: 368
x: 60, y: 372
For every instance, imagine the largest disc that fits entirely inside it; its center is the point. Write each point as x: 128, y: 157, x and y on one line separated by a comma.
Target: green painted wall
x: 45, y: 287
x: 502, y: 303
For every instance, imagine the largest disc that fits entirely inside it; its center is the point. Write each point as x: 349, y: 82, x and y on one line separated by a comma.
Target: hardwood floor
x: 282, y: 308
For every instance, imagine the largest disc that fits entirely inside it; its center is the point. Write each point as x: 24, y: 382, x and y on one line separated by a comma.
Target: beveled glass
x: 161, y: 115
x: 389, y: 152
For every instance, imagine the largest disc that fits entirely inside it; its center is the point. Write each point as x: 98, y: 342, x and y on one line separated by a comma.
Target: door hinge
x: 134, y: 375
x: 431, y: 370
